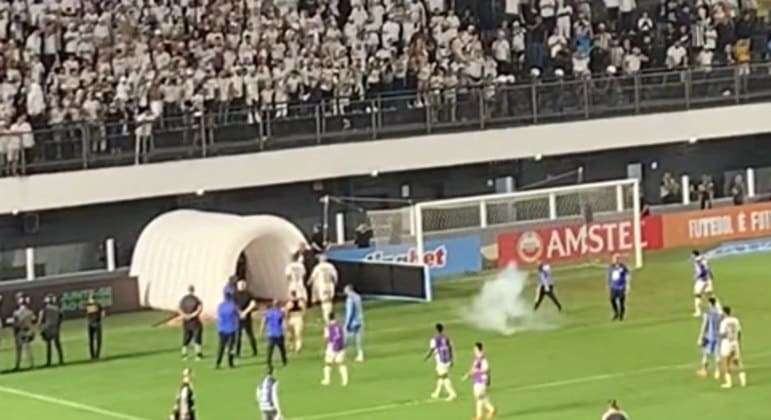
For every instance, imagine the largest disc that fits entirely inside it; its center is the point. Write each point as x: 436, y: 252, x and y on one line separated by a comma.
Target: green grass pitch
x: 648, y: 362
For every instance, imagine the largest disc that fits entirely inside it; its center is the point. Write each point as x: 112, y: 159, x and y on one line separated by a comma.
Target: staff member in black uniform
x: 23, y: 321
x: 94, y: 315
x: 246, y: 305
x: 50, y: 319
x: 184, y: 406
x: 190, y: 308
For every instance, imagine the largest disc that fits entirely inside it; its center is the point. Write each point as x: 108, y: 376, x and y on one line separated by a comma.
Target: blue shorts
x: 353, y: 329
x: 710, y: 347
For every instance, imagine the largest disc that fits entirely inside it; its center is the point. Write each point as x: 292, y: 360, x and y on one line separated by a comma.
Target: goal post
x: 569, y: 222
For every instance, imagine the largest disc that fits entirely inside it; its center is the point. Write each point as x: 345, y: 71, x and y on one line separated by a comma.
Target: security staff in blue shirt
x: 273, y: 327
x: 227, y: 326
x: 619, y: 281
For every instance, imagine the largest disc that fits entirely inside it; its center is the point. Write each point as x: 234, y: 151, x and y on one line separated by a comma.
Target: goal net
x: 576, y: 223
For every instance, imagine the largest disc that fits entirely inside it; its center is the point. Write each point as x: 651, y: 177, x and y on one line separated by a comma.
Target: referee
x: 50, y: 319
x: 190, y: 308
x: 545, y: 287
x: 227, y: 326
x: 246, y: 305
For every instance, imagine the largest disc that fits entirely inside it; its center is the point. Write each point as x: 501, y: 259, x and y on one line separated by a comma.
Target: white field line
x: 544, y: 385
x: 69, y: 404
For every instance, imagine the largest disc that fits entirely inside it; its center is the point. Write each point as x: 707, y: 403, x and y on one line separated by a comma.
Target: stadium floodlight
x: 575, y: 222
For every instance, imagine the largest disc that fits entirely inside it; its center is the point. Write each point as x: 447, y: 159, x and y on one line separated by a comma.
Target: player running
x: 702, y: 277
x: 480, y: 375
x: 709, y: 339
x: 295, y: 310
x: 295, y: 276
x: 354, y: 321
x: 619, y: 283
x: 545, y: 287
x: 323, y: 281
x: 335, y: 353
x: 441, y: 348
x: 730, y: 348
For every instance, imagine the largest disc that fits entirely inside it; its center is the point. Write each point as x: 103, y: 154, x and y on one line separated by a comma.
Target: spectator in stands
x: 669, y: 191
x: 738, y: 190
x: 705, y: 192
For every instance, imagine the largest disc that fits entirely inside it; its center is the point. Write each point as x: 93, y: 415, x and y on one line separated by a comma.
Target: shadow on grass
x: 100, y: 361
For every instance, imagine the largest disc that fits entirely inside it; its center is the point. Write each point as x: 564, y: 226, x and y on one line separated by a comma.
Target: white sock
x: 697, y: 305
x: 743, y: 378
x: 327, y: 374
x: 343, y: 374
x: 448, y: 387
x: 438, y: 389
x: 197, y: 349
x: 728, y: 380
x: 184, y: 351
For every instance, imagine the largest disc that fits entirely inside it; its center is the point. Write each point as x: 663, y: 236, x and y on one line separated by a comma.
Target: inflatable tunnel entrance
x: 202, y: 249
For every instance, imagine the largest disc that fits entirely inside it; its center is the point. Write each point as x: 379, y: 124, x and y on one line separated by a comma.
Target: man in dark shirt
x: 23, y: 321
x: 246, y: 305
x: 94, y: 315
x: 190, y: 308
x: 273, y: 327
x: 50, y: 319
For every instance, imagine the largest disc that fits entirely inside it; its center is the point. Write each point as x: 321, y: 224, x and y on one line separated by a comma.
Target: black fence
x: 233, y: 129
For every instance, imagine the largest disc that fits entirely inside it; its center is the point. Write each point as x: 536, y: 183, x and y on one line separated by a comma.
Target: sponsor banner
x: 116, y: 291
x: 453, y: 255
x: 575, y: 241
x: 702, y: 227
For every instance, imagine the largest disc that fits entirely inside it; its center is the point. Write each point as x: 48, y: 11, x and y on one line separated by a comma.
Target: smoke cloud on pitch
x: 501, y: 306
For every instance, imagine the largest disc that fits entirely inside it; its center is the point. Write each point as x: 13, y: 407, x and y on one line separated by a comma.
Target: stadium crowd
x: 93, y: 61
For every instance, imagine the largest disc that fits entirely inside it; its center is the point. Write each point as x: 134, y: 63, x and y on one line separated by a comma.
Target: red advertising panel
x: 702, y: 227
x: 575, y: 241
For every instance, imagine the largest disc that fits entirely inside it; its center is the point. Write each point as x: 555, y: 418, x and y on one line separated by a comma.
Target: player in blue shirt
x: 273, y: 328
x: 702, y: 281
x: 545, y: 287
x: 354, y: 320
x: 227, y: 326
x: 619, y: 282
x: 709, y: 338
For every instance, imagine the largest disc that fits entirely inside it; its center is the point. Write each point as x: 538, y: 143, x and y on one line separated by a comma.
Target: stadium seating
x: 123, y: 75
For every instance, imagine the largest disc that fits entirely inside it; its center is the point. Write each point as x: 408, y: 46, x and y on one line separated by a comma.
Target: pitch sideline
x: 69, y: 404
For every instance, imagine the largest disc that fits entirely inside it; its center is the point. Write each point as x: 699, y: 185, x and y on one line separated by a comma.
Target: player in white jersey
x: 295, y: 276
x: 730, y: 348
x: 702, y: 282
x: 323, y: 281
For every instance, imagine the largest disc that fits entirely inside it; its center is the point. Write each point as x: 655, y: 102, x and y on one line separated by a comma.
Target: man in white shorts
x: 480, y: 374
x: 730, y: 348
x: 323, y: 282
x: 441, y: 348
x: 335, y: 353
x: 295, y: 276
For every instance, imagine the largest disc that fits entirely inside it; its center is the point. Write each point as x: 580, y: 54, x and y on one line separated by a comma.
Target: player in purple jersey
x: 441, y: 348
x: 480, y: 377
x: 702, y: 281
x: 709, y: 339
x: 335, y: 353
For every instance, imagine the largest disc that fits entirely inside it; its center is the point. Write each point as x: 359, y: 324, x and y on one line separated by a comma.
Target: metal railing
x: 232, y: 129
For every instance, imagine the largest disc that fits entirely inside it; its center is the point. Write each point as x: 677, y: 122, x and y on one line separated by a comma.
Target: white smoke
x: 501, y: 306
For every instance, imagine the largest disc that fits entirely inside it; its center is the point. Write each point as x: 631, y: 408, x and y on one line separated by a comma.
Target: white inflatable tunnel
x: 190, y: 247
